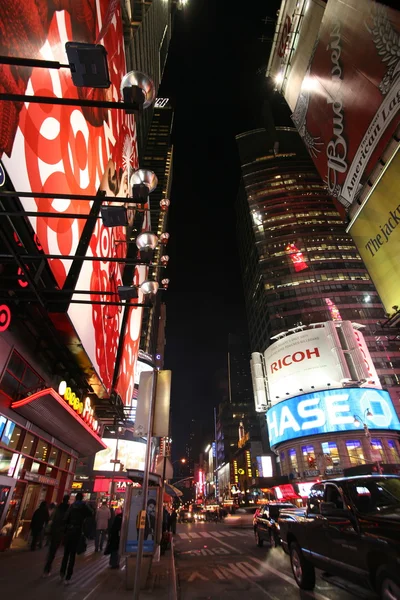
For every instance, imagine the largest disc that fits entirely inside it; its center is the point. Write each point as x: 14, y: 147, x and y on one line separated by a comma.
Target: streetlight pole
x: 359, y: 421
x: 145, y: 489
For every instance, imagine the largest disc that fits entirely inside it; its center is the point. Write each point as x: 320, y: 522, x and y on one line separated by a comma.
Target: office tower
x: 299, y: 266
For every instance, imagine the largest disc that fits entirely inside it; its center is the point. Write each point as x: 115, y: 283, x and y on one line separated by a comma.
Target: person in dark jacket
x: 172, y: 521
x: 75, y: 518
x: 39, y: 521
x: 113, y: 542
x: 56, y: 533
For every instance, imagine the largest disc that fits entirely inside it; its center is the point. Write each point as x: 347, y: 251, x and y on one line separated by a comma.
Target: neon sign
x: 84, y: 409
x: 330, y: 411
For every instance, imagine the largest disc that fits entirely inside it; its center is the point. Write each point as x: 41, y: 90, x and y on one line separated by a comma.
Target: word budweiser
x: 297, y: 357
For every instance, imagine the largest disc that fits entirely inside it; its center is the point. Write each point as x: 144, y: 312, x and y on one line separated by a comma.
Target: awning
x: 50, y: 412
x: 172, y: 490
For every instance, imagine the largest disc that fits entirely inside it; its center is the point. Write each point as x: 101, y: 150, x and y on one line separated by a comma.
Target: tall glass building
x: 299, y: 266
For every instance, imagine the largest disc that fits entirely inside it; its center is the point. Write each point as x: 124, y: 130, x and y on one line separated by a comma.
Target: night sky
x: 211, y: 78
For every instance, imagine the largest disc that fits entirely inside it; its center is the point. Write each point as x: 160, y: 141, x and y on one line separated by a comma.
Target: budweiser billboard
x: 67, y: 149
x: 348, y: 107
x: 331, y: 355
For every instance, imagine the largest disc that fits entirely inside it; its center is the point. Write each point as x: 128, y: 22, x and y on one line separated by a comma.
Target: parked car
x: 265, y: 522
x: 185, y: 516
x: 243, y: 517
x: 352, y: 529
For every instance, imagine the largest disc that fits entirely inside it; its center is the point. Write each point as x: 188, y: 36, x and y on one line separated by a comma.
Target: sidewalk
x: 21, y: 576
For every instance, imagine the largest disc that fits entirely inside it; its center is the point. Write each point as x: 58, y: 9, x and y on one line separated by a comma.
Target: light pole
x: 358, y: 421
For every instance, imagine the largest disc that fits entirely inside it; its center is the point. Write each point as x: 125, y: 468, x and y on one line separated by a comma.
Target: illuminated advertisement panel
x: 330, y: 411
x: 348, y: 106
x: 301, y: 360
x: 130, y: 453
x: 67, y: 149
x: 376, y: 233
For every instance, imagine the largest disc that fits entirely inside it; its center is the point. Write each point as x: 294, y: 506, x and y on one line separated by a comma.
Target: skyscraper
x: 299, y: 266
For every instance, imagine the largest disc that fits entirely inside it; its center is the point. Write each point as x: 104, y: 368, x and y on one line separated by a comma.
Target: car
x: 351, y: 528
x: 242, y: 517
x: 185, y: 516
x: 265, y: 523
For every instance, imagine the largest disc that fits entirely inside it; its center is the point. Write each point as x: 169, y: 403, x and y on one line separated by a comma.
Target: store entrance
x: 34, y: 494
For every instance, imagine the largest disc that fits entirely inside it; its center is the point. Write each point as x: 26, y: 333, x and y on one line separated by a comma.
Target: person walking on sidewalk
x: 39, y: 521
x: 113, y: 542
x: 56, y: 533
x: 103, y: 516
x: 74, y: 520
x: 172, y: 522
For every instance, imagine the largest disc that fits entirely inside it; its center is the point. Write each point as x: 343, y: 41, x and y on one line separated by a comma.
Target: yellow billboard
x: 376, y: 232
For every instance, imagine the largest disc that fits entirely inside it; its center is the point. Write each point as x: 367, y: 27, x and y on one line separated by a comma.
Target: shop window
x: 65, y: 461
x: 308, y: 457
x: 35, y: 467
x: 5, y: 461
x: 28, y: 447
x: 3, y: 422
x: 355, y: 451
x: 331, y: 454
x: 376, y: 446
x: 53, y: 456
x: 12, y: 435
x: 42, y: 451
x: 294, y: 465
x: 394, y: 452
x: 19, y: 378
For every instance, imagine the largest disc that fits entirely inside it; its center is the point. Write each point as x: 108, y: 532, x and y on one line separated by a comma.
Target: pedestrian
x: 56, y: 533
x: 172, y: 521
x: 76, y: 515
x: 165, y: 520
x: 103, y: 516
x: 40, y: 519
x: 114, y: 539
x: 47, y: 528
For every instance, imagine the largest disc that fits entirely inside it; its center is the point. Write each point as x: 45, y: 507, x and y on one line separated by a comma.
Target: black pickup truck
x: 351, y: 528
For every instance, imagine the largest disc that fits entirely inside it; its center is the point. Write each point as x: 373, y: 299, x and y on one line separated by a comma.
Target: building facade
x: 299, y: 266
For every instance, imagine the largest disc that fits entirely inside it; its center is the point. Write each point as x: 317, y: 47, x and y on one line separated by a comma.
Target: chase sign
x: 330, y: 411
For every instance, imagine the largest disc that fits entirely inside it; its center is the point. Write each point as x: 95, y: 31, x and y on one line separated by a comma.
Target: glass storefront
x: 42, y: 471
x: 356, y: 453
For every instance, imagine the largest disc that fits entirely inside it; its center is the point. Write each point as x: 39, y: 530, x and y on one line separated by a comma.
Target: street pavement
x: 21, y: 577
x: 215, y: 561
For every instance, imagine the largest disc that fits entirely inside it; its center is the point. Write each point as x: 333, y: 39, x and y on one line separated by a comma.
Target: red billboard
x: 348, y: 107
x: 67, y: 149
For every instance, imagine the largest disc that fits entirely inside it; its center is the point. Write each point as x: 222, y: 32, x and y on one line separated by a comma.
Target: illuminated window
x: 294, y: 465
x: 376, y: 446
x: 331, y: 454
x: 394, y: 451
x: 355, y: 451
x: 308, y: 457
x: 296, y: 257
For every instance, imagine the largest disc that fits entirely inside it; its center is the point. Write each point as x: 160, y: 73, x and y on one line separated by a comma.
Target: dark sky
x: 211, y: 78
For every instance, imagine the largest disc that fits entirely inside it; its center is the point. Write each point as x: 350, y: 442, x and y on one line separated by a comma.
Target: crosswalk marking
x: 216, y: 534
x: 194, y: 535
x: 184, y: 536
x: 205, y: 534
x: 212, y: 534
x: 228, y: 533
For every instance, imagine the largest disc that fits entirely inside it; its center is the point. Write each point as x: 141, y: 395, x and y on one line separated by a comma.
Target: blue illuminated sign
x: 330, y: 411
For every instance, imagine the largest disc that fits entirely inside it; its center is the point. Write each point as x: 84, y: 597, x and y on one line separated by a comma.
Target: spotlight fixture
x: 146, y: 241
x: 143, y: 182
x: 164, y: 237
x: 138, y: 89
x: 149, y: 287
x: 164, y: 259
x: 114, y: 216
x: 164, y: 204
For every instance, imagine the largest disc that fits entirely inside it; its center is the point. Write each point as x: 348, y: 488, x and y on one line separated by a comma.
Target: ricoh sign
x: 330, y: 411
x: 317, y: 359
x: 302, y: 362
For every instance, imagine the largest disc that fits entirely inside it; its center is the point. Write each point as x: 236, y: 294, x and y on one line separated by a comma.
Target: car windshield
x: 375, y: 495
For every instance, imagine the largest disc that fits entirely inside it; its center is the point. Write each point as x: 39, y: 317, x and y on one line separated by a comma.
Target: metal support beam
x: 52, y: 195
x: 128, y: 106
x: 124, y: 261
x: 32, y: 62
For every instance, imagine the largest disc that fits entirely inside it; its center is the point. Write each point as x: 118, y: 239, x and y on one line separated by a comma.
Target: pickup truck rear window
x: 371, y: 496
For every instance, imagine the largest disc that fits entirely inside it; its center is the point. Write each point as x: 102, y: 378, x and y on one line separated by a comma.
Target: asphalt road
x: 215, y: 561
